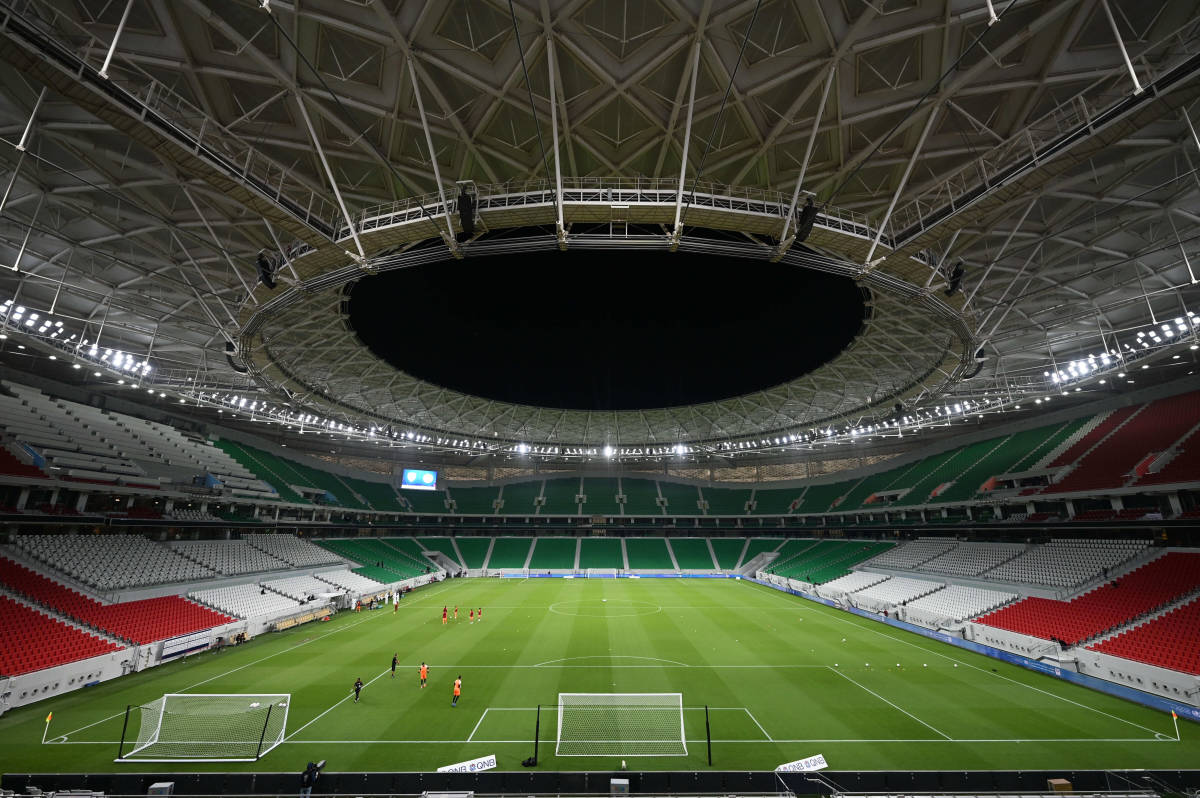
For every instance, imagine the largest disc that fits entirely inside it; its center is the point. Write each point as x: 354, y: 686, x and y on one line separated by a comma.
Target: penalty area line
x: 477, y: 725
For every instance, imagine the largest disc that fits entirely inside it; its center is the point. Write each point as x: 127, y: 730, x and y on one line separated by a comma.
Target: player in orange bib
x: 457, y: 690
x: 444, y: 613
x: 424, y: 674
x: 456, y: 612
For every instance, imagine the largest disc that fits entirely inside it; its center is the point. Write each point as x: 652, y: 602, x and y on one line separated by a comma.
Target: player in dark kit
x: 358, y: 686
x: 394, y: 663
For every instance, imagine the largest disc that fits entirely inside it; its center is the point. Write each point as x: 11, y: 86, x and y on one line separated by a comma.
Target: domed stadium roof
x: 1011, y: 183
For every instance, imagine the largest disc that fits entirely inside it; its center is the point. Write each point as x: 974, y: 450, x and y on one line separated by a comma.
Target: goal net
x: 602, y: 573
x: 211, y: 727
x: 620, y: 724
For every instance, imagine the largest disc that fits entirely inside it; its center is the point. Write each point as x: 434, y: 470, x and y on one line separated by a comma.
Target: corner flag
x: 52, y: 715
x: 1173, y: 715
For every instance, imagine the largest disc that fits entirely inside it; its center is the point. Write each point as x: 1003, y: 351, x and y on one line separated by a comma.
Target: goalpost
x: 204, y: 727
x: 602, y: 573
x: 620, y: 724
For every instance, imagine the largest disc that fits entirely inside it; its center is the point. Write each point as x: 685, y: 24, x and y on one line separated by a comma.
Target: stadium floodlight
x: 620, y: 724
x: 211, y: 727
x: 608, y: 451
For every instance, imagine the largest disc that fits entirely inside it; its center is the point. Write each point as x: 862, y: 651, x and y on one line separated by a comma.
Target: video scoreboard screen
x: 418, y: 479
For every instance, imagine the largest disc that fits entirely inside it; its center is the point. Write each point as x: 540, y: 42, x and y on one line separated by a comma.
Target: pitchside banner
x: 472, y: 765
x: 805, y: 765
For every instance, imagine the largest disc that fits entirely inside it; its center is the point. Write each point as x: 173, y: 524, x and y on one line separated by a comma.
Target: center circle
x: 606, y: 330
x: 613, y: 608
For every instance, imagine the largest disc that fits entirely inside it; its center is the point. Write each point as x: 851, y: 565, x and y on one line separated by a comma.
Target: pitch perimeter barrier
x: 926, y: 783
x: 1111, y: 688
x: 619, y: 575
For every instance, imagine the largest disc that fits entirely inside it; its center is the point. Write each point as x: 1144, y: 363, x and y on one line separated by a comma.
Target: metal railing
x: 82, y: 50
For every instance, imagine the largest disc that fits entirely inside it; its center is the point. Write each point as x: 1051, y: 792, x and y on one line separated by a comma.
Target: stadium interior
x: 879, y: 315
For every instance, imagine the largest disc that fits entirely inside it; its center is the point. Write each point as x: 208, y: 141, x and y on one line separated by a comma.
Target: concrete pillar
x: 81, y: 503
x: 23, y: 498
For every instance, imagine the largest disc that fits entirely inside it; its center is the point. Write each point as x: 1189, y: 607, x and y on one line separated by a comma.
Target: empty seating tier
x: 1065, y: 562
x: 112, y: 562
x: 851, y: 582
x: 291, y: 549
x: 726, y: 501
x: 519, y: 498
x: 553, y: 554
x: 510, y: 553
x: 475, y: 550
x: 1168, y: 641
x: 351, y: 581
x: 558, y: 497
x: 300, y: 588
x: 641, y: 496
x: 601, y: 493
x: 827, y: 560
x: 246, y: 601
x: 971, y: 559
x: 31, y: 640
x: 649, y: 554
x: 1137, y: 593
x: 600, y: 553
x: 693, y: 553
x: 897, y: 590
x: 959, y: 602
x: 913, y: 554
x: 474, y: 501
x: 229, y: 557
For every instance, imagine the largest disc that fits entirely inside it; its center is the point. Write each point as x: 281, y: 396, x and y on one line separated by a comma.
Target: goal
x: 207, y: 727
x: 620, y: 724
x: 602, y: 573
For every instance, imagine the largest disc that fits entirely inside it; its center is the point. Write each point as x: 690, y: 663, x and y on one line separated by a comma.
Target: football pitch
x: 782, y: 678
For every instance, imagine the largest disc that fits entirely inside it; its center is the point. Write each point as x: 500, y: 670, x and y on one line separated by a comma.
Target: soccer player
x: 394, y: 663
x: 480, y: 613
x: 424, y: 674
x: 457, y: 690
x: 444, y: 616
x: 472, y: 614
x: 358, y: 686
x: 456, y: 612
x: 396, y: 602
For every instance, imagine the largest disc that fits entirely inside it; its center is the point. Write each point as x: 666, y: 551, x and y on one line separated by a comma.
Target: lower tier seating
x: 1168, y: 641
x: 245, y: 601
x: 959, y: 602
x: 1137, y: 593
x: 31, y: 640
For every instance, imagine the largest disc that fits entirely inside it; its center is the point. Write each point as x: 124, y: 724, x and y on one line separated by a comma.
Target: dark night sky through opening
x: 606, y: 330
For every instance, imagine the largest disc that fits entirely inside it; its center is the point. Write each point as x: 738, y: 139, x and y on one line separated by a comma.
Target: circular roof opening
x: 606, y: 330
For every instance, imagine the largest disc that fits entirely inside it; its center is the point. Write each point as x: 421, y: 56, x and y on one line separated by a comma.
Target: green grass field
x: 784, y: 678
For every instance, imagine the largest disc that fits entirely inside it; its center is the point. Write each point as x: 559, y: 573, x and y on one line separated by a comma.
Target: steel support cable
x: 718, y: 122
x: 387, y: 162
x: 529, y: 88
x: 936, y: 85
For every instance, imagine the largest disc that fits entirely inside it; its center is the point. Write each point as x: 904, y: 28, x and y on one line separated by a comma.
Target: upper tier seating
x: 1168, y: 641
x: 959, y: 602
x: 191, y: 515
x: 350, y: 580
x: 112, y: 562
x: 971, y: 559
x: 913, y: 554
x: 1096, y: 430
x: 292, y: 549
x: 138, y: 621
x: 1137, y: 593
x: 11, y: 466
x: 1065, y: 562
x: 726, y: 501
x: 519, y: 497
x: 1153, y: 430
x: 246, y: 601
x: 229, y: 557
x: 681, y: 499
x: 897, y: 590
x: 641, y: 496
x: 601, y: 493
x: 558, y: 497
x: 1184, y: 466
x: 444, y: 545
x: 474, y: 501
x: 300, y: 587
x: 31, y: 640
